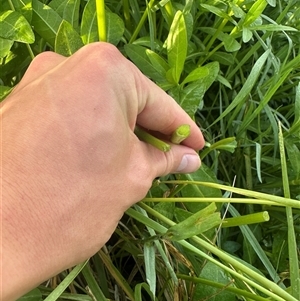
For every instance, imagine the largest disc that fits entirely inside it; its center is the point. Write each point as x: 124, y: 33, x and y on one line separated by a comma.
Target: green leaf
x: 24, y: 7
x: 218, y: 12
x: 216, y: 274
x: 177, y: 45
x: 149, y: 255
x: 254, y: 12
x: 89, y: 28
x: 138, y: 296
x: 115, y: 27
x: 196, y: 74
x: 196, y: 224
x: 191, y: 96
x: 157, y: 62
x: 5, y: 46
x: 33, y: 295
x: 223, y: 58
x: 71, y: 12
x: 67, y: 41
x: 92, y: 283
x: 14, y: 27
x: 66, y: 282
x: 230, y: 44
x: 45, y: 21
x: 272, y: 27
x: 248, y: 85
x: 139, y: 56
x: 4, y: 91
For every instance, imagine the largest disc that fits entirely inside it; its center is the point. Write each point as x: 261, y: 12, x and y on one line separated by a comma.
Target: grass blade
x: 66, y: 282
x: 293, y: 256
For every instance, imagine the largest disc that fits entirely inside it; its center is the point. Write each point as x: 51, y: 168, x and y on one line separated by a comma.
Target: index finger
x: 160, y: 112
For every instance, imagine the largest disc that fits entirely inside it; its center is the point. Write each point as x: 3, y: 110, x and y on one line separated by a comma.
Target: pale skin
x: 71, y: 163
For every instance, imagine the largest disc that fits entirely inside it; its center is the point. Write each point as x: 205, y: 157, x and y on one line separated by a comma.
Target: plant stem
x: 274, y: 291
x: 234, y: 290
x: 181, y: 133
x: 101, y: 22
x: 146, y: 137
x: 248, y: 219
x: 253, y: 194
x: 217, y: 200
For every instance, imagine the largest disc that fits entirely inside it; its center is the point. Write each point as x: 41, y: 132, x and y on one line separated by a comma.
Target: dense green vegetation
x: 234, y: 65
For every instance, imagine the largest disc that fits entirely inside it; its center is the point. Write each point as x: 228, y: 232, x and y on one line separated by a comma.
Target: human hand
x: 71, y: 161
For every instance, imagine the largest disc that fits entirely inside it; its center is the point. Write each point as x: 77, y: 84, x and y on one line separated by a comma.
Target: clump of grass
x: 234, y: 67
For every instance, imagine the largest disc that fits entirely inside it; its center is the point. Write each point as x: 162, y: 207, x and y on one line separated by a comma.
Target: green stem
x: 141, y: 23
x: 181, y: 133
x: 248, y: 219
x: 216, y: 200
x: 146, y: 137
x: 273, y: 290
x: 101, y: 22
x: 281, y: 201
x: 232, y: 289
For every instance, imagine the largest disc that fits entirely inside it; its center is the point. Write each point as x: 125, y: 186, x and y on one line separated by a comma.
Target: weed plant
x: 231, y: 230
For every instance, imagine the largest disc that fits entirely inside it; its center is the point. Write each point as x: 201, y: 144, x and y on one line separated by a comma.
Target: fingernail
x: 189, y: 163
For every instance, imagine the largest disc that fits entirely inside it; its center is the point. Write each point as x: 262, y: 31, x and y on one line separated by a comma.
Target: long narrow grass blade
x: 293, y: 256
x: 117, y: 275
x: 248, y: 234
x: 93, y: 286
x: 66, y: 282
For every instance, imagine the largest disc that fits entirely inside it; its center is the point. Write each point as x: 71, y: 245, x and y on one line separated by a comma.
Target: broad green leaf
x: 177, y: 45
x: 5, y: 46
x: 272, y: 2
x: 254, y: 12
x: 71, y: 12
x: 216, y: 274
x: 115, y: 27
x: 24, y: 7
x: 218, y: 12
x: 248, y: 85
x: 191, y: 96
x: 247, y: 34
x: 58, y: 6
x: 67, y: 41
x: 230, y: 43
x: 196, y: 74
x: 140, y: 58
x: 89, y: 28
x: 45, y: 21
x: 33, y: 295
x: 14, y: 27
x: 223, y: 58
x: 157, y: 62
x: 195, y: 224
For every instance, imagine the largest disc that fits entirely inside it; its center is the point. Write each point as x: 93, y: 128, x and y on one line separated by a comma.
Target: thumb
x: 180, y: 159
